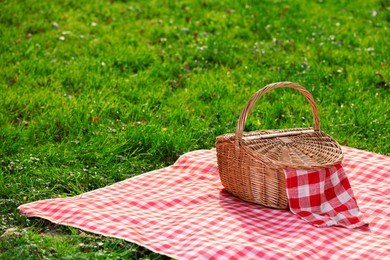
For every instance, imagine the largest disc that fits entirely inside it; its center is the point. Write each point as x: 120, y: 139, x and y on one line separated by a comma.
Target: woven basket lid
x: 297, y: 148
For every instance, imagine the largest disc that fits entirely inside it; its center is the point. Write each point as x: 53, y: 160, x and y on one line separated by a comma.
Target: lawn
x: 94, y: 92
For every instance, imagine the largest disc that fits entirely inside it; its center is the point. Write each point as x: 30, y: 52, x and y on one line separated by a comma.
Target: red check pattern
x: 183, y: 212
x: 323, y: 197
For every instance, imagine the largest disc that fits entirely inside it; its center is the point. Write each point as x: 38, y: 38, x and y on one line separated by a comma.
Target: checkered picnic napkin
x: 183, y: 212
x: 323, y: 197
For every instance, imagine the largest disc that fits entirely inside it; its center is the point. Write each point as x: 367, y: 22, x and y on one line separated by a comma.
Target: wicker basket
x: 251, y: 163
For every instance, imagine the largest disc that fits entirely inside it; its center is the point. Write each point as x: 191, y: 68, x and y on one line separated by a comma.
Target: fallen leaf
x: 109, y: 20
x: 284, y: 11
x: 94, y: 119
x: 11, y: 82
x: 139, y: 122
x: 230, y: 11
x: 11, y: 232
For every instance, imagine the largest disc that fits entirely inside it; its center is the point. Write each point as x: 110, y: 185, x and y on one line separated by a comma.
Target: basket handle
x: 252, y: 101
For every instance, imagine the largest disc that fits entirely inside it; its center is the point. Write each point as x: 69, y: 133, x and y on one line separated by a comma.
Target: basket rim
x: 231, y: 138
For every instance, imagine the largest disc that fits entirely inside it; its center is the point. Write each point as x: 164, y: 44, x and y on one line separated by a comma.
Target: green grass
x: 94, y: 92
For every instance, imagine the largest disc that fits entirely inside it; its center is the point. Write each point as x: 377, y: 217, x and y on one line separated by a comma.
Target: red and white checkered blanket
x: 182, y: 211
x: 323, y: 197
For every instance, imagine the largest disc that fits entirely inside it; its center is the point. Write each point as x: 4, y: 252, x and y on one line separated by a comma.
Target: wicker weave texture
x: 251, y: 164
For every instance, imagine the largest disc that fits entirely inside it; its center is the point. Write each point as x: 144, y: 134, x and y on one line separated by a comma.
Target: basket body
x: 251, y: 164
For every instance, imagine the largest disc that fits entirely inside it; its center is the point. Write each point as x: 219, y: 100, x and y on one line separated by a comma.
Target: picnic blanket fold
x: 323, y: 197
